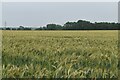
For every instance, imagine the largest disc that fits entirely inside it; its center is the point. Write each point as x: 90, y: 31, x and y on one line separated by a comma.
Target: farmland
x: 58, y: 54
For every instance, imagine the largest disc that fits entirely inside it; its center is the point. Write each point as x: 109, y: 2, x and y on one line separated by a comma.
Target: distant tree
x: 87, y: 25
x: 70, y: 25
x: 26, y: 28
x: 8, y: 28
x: 53, y: 27
x: 21, y: 28
x: 40, y: 28
x: 44, y: 28
x: 79, y: 25
x: 14, y: 28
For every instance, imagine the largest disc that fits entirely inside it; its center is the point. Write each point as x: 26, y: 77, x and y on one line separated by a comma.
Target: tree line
x: 79, y: 25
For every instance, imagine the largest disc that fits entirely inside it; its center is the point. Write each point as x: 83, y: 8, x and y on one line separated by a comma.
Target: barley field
x: 60, y: 54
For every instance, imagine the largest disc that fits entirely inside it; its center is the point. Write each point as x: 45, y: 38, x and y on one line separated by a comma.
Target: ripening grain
x: 75, y: 54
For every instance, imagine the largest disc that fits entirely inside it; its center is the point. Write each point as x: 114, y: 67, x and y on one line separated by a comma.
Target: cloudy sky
x: 60, y: 0
x: 0, y: 14
x: 42, y: 13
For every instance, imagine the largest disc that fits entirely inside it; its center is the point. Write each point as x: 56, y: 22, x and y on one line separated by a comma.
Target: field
x: 58, y: 54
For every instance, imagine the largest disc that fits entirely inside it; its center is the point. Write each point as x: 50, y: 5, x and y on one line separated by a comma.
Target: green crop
x: 60, y: 54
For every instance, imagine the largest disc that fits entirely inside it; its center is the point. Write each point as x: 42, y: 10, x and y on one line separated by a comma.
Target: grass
x: 60, y: 54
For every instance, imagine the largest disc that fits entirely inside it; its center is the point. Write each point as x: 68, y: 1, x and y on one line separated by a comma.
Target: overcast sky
x: 60, y: 0
x: 0, y: 14
x: 41, y: 13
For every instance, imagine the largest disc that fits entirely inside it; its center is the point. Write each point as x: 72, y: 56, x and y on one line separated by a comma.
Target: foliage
x: 79, y: 25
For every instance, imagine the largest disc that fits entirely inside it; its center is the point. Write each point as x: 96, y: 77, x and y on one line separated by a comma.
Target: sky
x: 119, y: 12
x: 60, y: 0
x: 0, y: 14
x: 42, y: 13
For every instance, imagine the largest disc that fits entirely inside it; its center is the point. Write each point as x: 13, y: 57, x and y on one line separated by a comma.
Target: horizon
x: 51, y: 23
x: 42, y: 13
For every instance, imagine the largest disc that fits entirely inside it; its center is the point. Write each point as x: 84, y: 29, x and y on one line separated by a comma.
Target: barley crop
x: 60, y: 54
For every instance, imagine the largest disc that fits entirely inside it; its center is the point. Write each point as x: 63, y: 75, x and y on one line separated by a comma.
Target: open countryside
x: 60, y: 54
